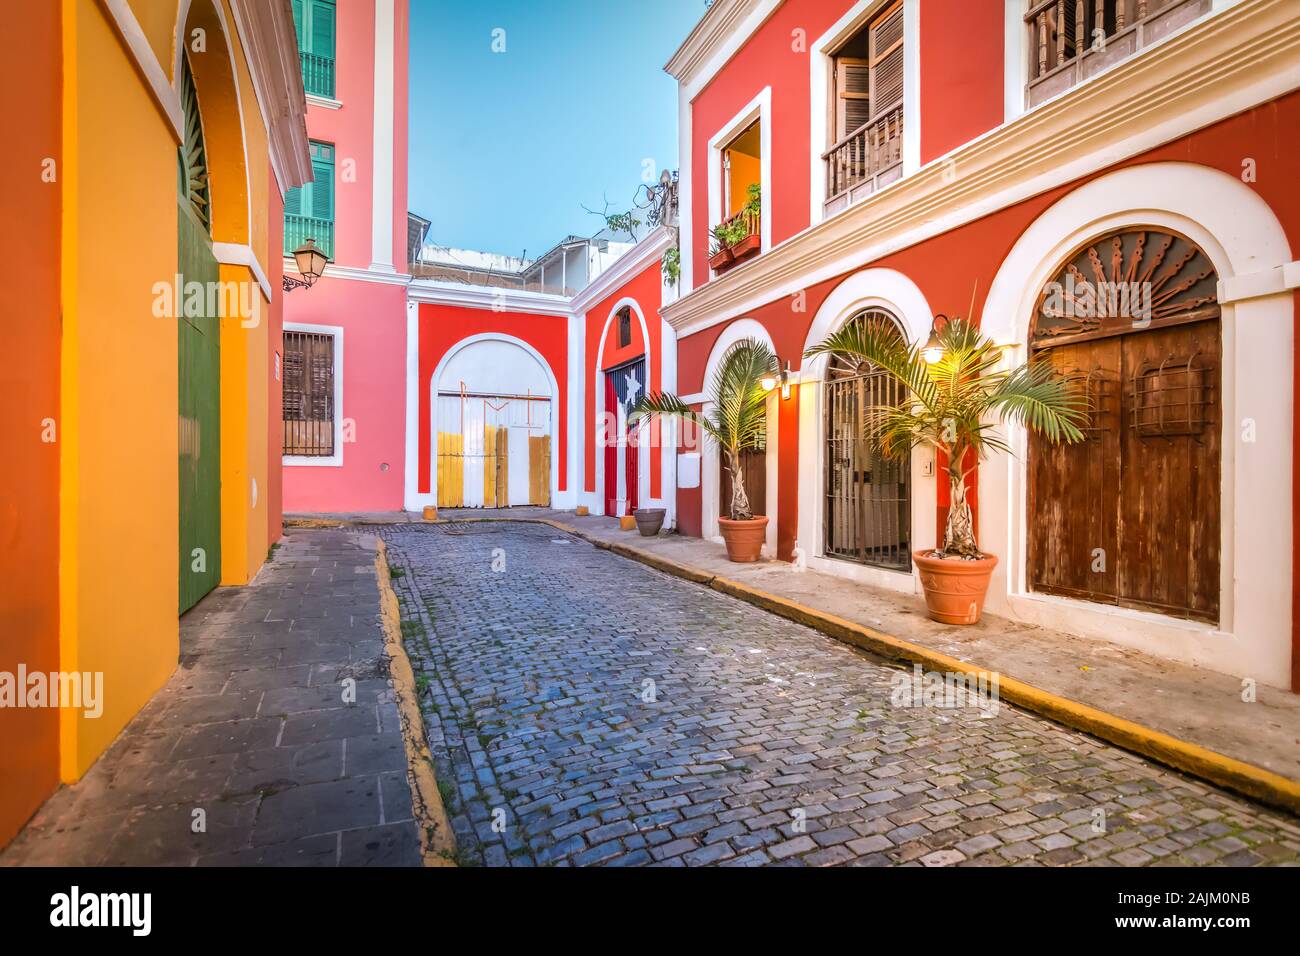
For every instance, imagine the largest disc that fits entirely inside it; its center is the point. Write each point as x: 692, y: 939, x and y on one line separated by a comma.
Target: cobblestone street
x: 584, y: 709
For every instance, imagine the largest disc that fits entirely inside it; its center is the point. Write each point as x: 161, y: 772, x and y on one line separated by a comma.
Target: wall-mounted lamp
x: 785, y: 378
x: 932, y: 351
x: 311, y: 263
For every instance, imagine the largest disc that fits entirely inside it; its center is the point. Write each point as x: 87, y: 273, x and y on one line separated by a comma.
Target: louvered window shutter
x: 322, y: 28
x: 887, y: 62
x: 322, y: 187
x: 853, y: 85
x: 299, y: 25
x: 293, y: 201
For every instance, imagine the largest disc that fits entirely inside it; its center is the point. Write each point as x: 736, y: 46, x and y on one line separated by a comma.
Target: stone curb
x: 437, y: 840
x: 1216, y: 768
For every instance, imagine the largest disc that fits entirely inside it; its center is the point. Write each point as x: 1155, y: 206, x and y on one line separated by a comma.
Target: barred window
x: 308, y: 394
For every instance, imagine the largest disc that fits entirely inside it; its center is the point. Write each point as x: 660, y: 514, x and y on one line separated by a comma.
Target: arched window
x: 1131, y: 516
x: 868, y: 498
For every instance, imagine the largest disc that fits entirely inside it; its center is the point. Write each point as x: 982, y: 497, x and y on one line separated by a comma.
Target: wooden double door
x: 1131, y: 516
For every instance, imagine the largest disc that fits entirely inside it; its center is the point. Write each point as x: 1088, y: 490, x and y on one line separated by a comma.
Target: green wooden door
x: 199, y: 366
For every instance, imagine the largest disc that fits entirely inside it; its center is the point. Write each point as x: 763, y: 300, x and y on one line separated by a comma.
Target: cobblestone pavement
x: 584, y: 709
x: 253, y: 729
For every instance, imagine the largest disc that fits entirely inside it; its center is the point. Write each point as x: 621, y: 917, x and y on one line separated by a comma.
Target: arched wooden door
x: 1131, y: 516
x: 198, y: 365
x: 868, y: 512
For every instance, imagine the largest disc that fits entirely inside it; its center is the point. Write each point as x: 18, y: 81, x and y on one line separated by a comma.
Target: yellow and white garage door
x: 493, y: 419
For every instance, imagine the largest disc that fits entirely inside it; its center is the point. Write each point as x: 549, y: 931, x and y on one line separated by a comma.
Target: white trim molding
x: 1213, y: 68
x: 898, y: 295
x: 242, y: 254
x: 710, y: 454
x: 335, y: 460
x: 381, y: 227
x: 440, y: 370
x: 413, y: 500
x: 643, y: 452
x: 759, y: 110
x: 129, y: 29
x: 436, y: 292
x: 1241, y: 236
x: 628, y: 266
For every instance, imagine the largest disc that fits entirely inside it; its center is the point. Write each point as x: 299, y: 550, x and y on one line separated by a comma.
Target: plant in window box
x: 748, y: 237
x: 719, y: 248
x: 737, y: 421
x: 956, y: 395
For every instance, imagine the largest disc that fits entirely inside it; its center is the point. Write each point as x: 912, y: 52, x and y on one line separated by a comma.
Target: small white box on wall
x: 688, y: 470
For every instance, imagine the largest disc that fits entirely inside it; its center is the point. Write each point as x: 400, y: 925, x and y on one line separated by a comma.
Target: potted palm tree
x: 738, y: 423
x: 955, y: 396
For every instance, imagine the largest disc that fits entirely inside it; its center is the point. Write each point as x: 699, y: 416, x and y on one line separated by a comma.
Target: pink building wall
x: 369, y: 307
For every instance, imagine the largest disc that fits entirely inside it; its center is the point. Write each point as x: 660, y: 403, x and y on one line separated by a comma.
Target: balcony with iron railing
x: 298, y: 229
x: 1071, y: 40
x: 317, y: 74
x: 865, y: 160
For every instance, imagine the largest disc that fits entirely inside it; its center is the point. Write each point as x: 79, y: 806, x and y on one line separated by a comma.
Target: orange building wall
x: 30, y: 99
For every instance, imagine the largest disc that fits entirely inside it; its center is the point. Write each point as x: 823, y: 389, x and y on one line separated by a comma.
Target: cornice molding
x: 242, y: 254
x: 718, y: 23
x: 352, y: 273
x: 1234, y: 59
x: 430, y: 291
x: 625, y: 267
x: 270, y: 44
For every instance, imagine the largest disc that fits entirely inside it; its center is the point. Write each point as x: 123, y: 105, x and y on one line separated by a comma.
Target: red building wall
x: 956, y: 269
x: 442, y: 326
x: 961, y: 93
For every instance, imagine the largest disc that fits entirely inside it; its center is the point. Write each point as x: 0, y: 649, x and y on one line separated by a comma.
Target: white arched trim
x: 895, y: 293
x: 1241, y: 236
x: 710, y: 457
x: 556, y: 422
x: 178, y: 48
x: 597, y: 386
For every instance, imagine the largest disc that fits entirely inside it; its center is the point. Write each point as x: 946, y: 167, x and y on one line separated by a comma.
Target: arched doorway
x: 1131, y: 516
x: 868, y: 510
x: 198, y: 362
x: 493, y: 413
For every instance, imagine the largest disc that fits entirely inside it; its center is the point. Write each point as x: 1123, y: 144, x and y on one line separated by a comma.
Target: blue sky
x: 506, y: 148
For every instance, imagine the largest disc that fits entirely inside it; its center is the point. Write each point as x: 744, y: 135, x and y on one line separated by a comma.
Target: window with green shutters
x: 316, y: 24
x: 309, y: 209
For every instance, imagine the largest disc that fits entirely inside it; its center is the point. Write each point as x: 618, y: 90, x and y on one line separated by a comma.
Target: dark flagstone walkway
x: 251, y: 754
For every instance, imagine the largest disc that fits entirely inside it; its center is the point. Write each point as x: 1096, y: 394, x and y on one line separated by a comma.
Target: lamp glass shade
x: 933, y: 349
x: 768, y: 382
x: 310, y: 260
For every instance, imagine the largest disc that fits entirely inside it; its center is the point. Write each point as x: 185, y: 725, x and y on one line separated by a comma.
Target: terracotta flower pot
x: 720, y: 259
x: 744, y: 539
x: 954, y: 587
x: 746, y: 247
x: 649, y: 521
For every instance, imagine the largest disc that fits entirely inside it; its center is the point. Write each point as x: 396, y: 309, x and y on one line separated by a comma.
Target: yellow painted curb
x: 437, y: 841
x: 1209, y: 765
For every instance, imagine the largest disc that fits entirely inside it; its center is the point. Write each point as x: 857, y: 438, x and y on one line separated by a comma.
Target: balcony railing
x: 1070, y: 40
x: 298, y: 229
x: 868, y: 158
x: 317, y: 74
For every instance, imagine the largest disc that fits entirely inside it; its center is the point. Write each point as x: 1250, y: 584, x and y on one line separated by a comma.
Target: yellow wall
x: 745, y: 169
x: 119, y: 499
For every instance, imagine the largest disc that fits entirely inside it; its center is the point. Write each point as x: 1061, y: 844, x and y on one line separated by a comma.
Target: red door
x: 633, y: 475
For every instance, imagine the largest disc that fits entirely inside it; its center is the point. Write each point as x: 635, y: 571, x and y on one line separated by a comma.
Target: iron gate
x: 868, y: 497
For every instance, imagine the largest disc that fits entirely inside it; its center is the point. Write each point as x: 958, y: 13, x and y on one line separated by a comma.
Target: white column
x: 381, y: 229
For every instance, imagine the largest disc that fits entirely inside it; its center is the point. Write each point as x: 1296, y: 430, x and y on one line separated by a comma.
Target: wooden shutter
x: 293, y: 201
x: 322, y: 28
x: 887, y: 61
x: 299, y: 25
x: 308, y: 394
x: 853, y: 94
